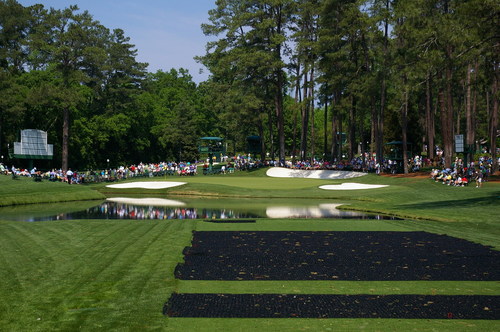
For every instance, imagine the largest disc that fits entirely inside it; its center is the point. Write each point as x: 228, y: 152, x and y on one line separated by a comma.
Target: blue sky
x: 166, y: 33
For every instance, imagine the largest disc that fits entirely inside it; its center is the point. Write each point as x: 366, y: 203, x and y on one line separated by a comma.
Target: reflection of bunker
x: 146, y: 201
x: 321, y: 211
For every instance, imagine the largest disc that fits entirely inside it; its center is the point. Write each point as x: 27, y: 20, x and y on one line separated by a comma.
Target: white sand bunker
x: 146, y: 201
x: 281, y: 172
x: 351, y: 186
x: 146, y: 185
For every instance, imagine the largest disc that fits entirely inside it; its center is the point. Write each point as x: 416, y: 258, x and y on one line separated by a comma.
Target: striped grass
x: 115, y: 275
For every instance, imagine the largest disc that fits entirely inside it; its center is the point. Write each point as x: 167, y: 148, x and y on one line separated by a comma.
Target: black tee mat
x: 230, y: 221
x: 333, y: 306
x: 336, y: 256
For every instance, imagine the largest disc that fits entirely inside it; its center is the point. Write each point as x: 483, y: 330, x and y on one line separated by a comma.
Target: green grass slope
x: 26, y: 191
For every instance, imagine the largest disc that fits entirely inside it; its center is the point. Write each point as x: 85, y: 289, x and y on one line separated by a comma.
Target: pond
x: 141, y: 208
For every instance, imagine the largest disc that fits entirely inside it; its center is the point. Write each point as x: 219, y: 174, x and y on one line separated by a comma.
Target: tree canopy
x: 323, y: 79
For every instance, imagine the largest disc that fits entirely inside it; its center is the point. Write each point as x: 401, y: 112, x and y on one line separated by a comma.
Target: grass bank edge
x: 22, y: 191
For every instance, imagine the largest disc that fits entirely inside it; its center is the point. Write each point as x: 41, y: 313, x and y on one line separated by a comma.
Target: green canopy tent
x: 212, y: 147
x: 394, y: 152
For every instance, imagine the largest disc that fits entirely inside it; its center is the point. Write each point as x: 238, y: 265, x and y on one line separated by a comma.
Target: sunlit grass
x: 116, y: 275
x: 24, y: 190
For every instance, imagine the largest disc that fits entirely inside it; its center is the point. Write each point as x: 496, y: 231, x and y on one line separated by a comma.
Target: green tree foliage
x: 62, y: 69
x: 417, y: 71
x: 248, y: 58
x: 176, y: 120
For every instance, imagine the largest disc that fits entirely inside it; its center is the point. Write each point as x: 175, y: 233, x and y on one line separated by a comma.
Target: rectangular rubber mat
x: 230, y: 221
x: 366, y: 256
x: 333, y: 306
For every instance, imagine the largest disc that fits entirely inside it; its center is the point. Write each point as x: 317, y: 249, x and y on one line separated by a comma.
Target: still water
x: 199, y: 208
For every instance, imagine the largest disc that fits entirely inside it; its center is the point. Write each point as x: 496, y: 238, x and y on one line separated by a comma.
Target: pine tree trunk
x: 444, y: 120
x: 352, y: 129
x: 458, y: 118
x: 341, y: 143
x: 447, y: 119
x: 335, y: 143
x: 65, y: 139
x: 310, y: 101
x: 297, y: 98
x: 474, y: 106
x: 374, y: 126
x: 469, y: 136
x: 294, y: 138
x: 380, y: 125
x: 404, y: 126
x: 494, y: 118
x: 271, y: 132
x: 262, y: 140
x: 429, y: 115
x: 325, y: 130
x: 449, y: 109
x: 279, y: 114
x: 305, y: 121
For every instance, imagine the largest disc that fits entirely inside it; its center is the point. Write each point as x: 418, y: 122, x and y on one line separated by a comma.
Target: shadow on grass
x: 486, y: 201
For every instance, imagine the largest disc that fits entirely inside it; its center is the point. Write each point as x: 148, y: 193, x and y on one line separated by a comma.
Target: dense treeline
x: 63, y: 72
x: 291, y: 71
x: 415, y: 71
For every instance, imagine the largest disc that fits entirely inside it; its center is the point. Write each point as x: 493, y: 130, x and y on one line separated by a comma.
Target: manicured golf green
x: 117, y: 274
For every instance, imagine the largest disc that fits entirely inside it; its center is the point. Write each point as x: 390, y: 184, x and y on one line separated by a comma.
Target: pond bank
x: 23, y: 190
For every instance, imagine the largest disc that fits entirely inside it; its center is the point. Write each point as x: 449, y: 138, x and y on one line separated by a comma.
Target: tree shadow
x: 485, y: 201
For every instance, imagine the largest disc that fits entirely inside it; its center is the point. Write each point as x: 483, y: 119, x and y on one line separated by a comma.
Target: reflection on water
x: 163, y: 209
x: 319, y: 211
x: 113, y: 210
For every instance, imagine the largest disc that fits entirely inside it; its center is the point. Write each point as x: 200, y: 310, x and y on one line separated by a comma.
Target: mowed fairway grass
x: 116, y: 275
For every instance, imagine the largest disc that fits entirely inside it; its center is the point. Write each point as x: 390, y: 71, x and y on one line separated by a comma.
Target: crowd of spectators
x: 365, y: 163
x: 458, y: 175
x: 229, y: 165
x: 136, y: 170
x: 111, y: 174
x: 461, y: 175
